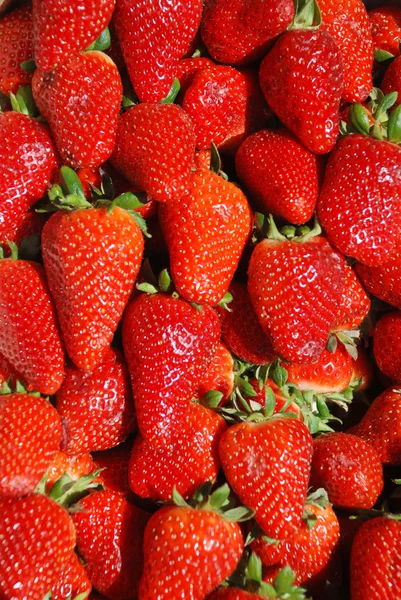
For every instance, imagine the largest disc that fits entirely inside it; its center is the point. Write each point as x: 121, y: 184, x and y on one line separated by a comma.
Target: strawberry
x: 206, y: 231
x: 385, y: 22
x: 381, y: 426
x: 308, y: 550
x: 295, y: 288
x: 267, y: 464
x: 83, y: 19
x: 109, y: 538
x: 375, y: 569
x: 75, y: 467
x: 84, y: 130
x: 153, y: 38
x: 347, y: 21
x: 114, y: 468
x: 96, y: 407
x: 348, y: 468
x: 187, y: 460
x: 33, y: 424
x: 387, y: 345
x: 190, y: 548
x: 15, y: 48
x: 362, y: 370
x: 357, y: 208
x: 38, y: 538
x: 220, y: 375
x: 331, y: 373
x: 73, y: 581
x: 297, y: 85
x: 155, y: 149
x: 392, y: 79
x: 187, y: 68
x: 27, y: 165
x: 355, y: 303
x: 91, y: 286
x: 241, y: 330
x: 29, y: 333
x: 168, y: 345
x: 239, y: 31
x: 225, y: 105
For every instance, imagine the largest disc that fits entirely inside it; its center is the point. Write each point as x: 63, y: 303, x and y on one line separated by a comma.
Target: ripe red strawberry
x: 347, y: 21
x: 73, y: 581
x: 225, y: 105
x: 27, y: 164
x: 387, y: 345
x: 262, y: 389
x: 295, y: 288
x: 381, y: 426
x: 187, y: 68
x: 375, y: 569
x: 84, y: 19
x: 96, y: 407
x: 15, y: 48
x: 302, y: 80
x: 153, y: 39
x: 219, y: 376
x: 241, y: 330
x: 29, y: 333
x: 75, y: 467
x: 267, y: 465
x: 362, y: 369
x: 392, y: 79
x: 281, y: 175
x: 109, y: 538
x: 307, y: 551
x: 92, y: 257
x: 155, y: 148
x: 38, y: 538
x: 385, y: 22
x: 206, y: 231
x: 186, y: 461
x: 168, y: 345
x: 331, y: 373
x: 355, y: 303
x: 32, y: 424
x: 239, y: 31
x: 190, y: 549
x: 84, y: 130
x: 358, y: 207
x: 114, y: 465
x: 348, y: 468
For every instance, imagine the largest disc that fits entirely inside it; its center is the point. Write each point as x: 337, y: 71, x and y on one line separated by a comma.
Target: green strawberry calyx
x: 266, y: 227
x: 307, y: 15
x: 68, y: 492
x: 377, y: 118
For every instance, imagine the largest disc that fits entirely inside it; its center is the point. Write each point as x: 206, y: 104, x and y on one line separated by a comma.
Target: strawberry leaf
x: 102, y: 42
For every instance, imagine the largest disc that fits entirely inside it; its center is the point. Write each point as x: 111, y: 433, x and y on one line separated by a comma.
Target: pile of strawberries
x: 200, y: 300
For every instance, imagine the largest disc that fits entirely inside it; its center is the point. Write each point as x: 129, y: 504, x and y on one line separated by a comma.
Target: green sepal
x: 127, y: 200
x: 23, y: 101
x: 278, y: 374
x: 68, y: 492
x: 211, y: 399
x: 165, y: 282
x: 71, y: 183
x: 177, y: 499
x: 394, y: 126
x: 146, y: 287
x: 215, y: 160
x: 127, y: 103
x: 384, y: 105
x: 29, y: 66
x: 240, y: 514
x: 382, y: 56
x: 257, y: 532
x: 102, y: 42
x: 140, y: 221
x: 14, y: 251
x: 307, y: 15
x: 47, y: 596
x: 359, y: 118
x: 224, y: 302
x: 219, y: 497
x: 284, y: 580
x: 173, y: 93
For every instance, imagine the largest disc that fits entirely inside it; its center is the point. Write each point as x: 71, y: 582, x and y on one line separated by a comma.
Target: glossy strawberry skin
x: 347, y: 21
x: 15, y: 48
x: 206, y: 231
x: 187, y: 68
x: 109, y: 537
x: 33, y: 424
x: 267, y: 465
x: 238, y: 32
x: 281, y: 175
x: 73, y: 581
x: 86, y: 18
x: 283, y: 277
x: 75, y: 467
x: 376, y: 572
x: 85, y: 130
x: 38, y: 538
x: 331, y: 373
x: 392, y: 80
x: 29, y: 334
x: 155, y: 148
x: 355, y: 302
x: 385, y: 22
x: 231, y: 593
x: 114, y: 464
x: 154, y: 35
x: 358, y: 206
x: 226, y: 105
x: 220, y: 374
x: 28, y: 163
x: 306, y: 551
x: 348, y: 468
x: 96, y: 407
x: 91, y: 259
x: 168, y: 346
x: 295, y: 91
x: 192, y: 549
x: 387, y: 344
x: 186, y: 461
